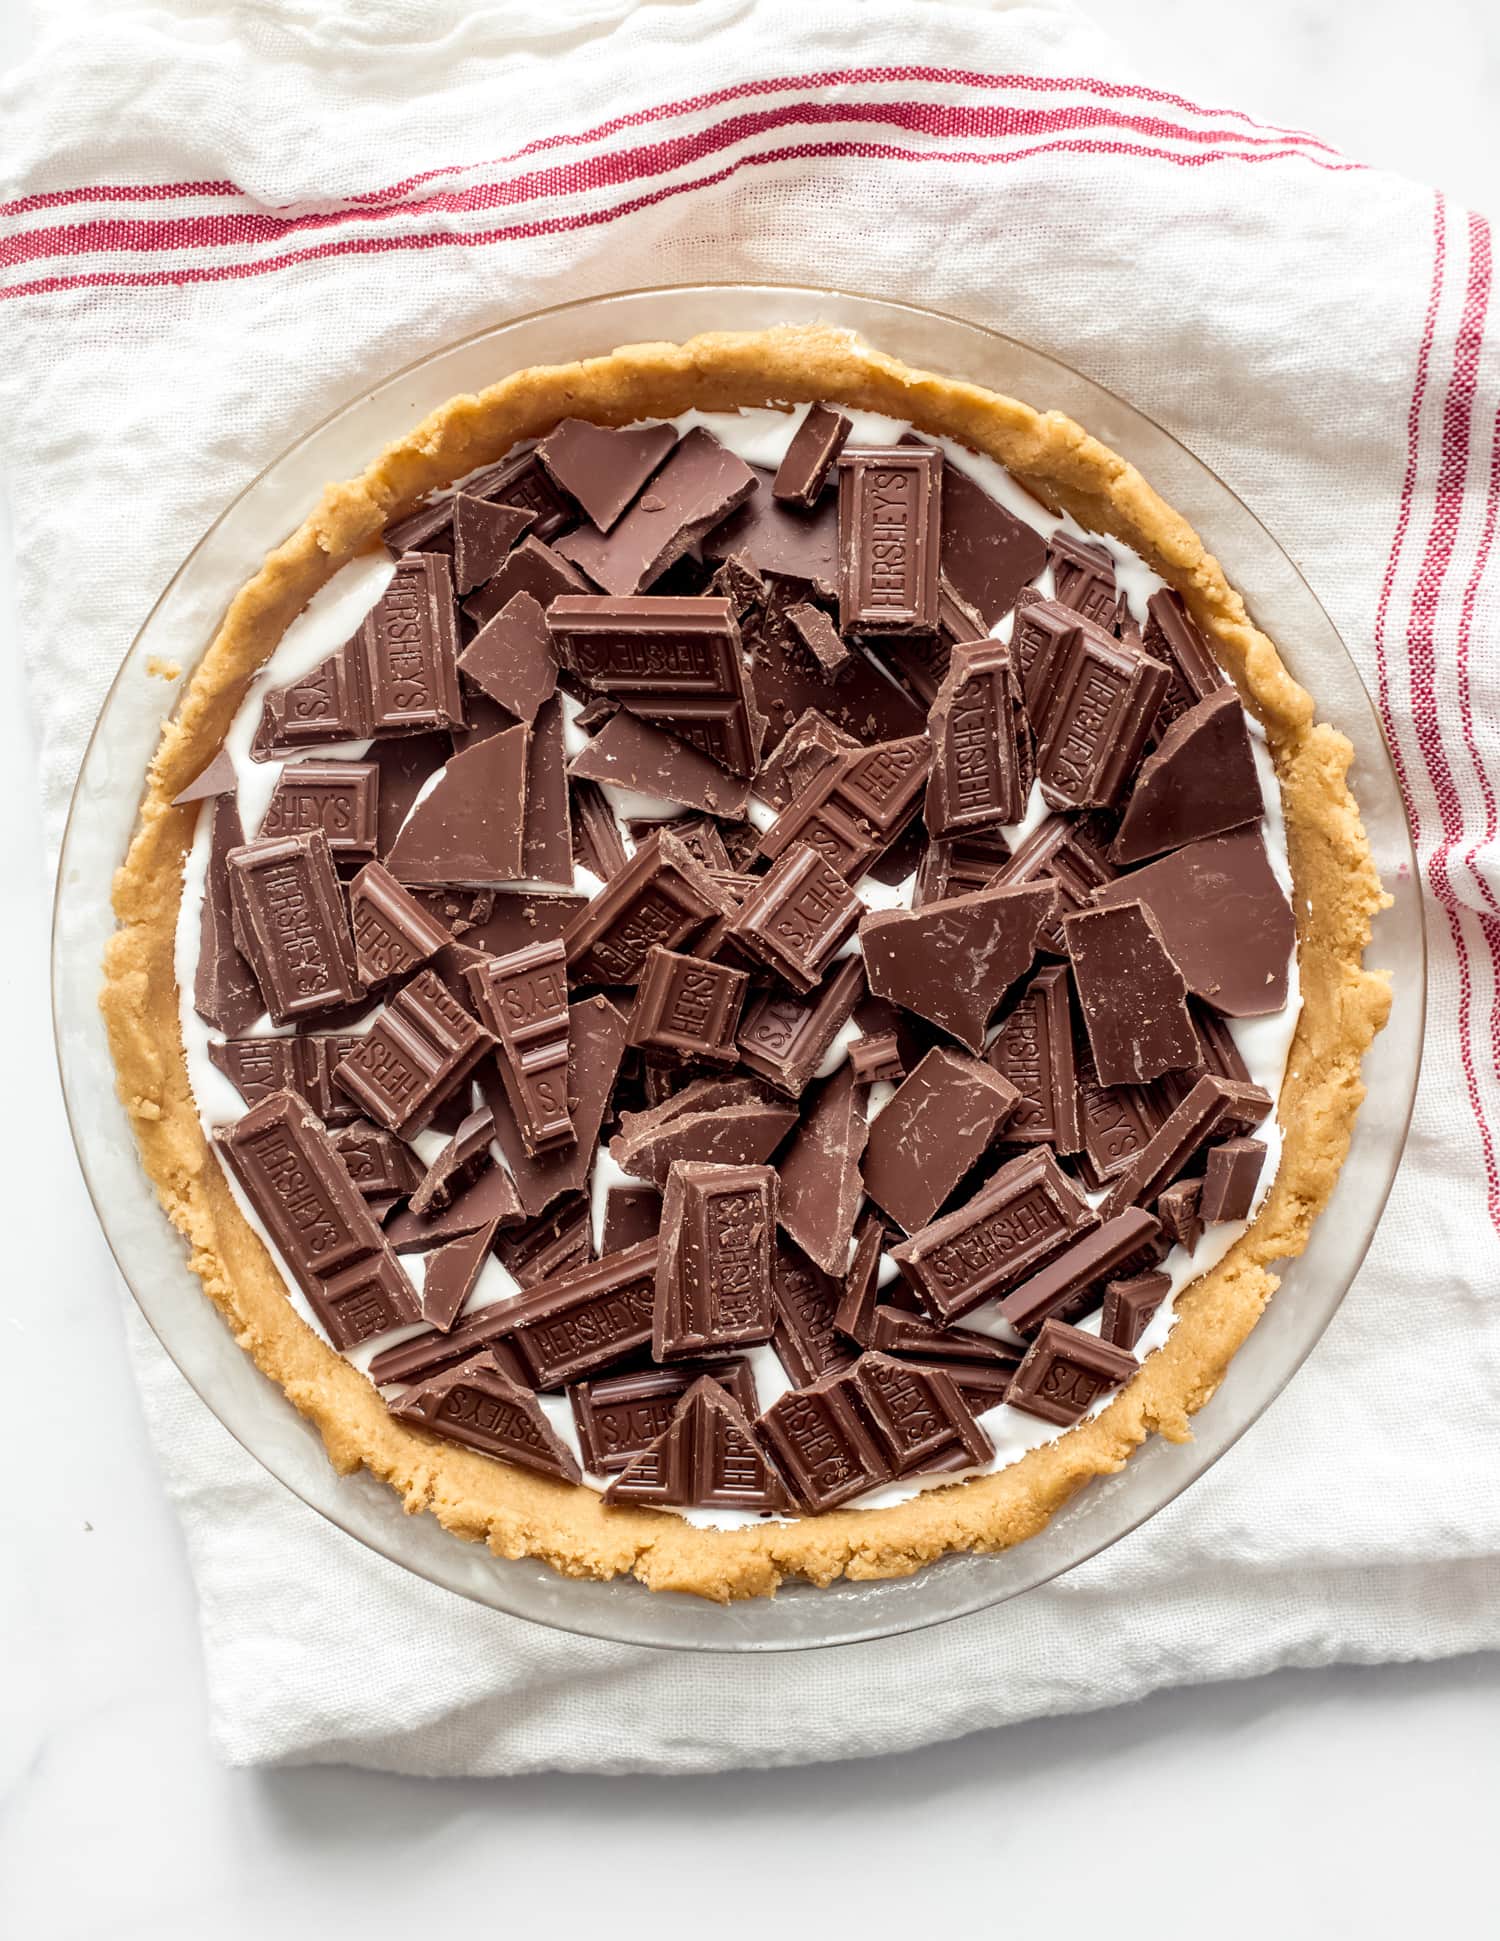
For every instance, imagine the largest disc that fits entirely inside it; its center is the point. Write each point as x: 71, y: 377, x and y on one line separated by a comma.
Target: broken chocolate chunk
x: 479, y: 1405
x: 618, y: 1416
x: 1172, y: 636
x: 854, y: 807
x: 450, y: 1273
x: 713, y: 1263
x: 981, y: 761
x: 605, y: 470
x: 937, y: 1126
x: 1214, y: 1108
x: 393, y: 933
x: 1069, y: 1284
x: 809, y: 460
x: 687, y: 1010
x: 732, y: 1122
x: 524, y: 999
x: 1200, y: 781
x: 469, y: 827
x: 483, y: 533
x: 1129, y: 1306
x: 532, y: 568
x: 511, y: 658
x: 419, y: 1049
x: 1177, y: 1209
x: 596, y: 1044
x: 1065, y: 1372
x: 1083, y: 572
x: 819, y: 636
x: 953, y: 962
x: 707, y: 1456
x: 1131, y: 994
x: 1230, y: 1176
x: 631, y: 754
x: 219, y: 778
x: 875, y: 1060
x: 786, y: 1033
x: 821, y: 1187
x: 226, y: 991
x: 797, y: 916
x: 1033, y: 1048
x: 988, y: 553
x: 697, y: 487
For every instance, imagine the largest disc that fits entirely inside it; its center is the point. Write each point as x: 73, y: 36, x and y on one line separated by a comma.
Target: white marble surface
x: 1325, y: 1803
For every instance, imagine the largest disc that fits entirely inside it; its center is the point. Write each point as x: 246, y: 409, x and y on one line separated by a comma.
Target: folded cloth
x: 221, y: 223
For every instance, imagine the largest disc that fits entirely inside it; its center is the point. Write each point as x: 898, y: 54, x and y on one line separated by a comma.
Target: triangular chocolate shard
x: 700, y: 484
x: 707, y: 1458
x: 511, y: 656
x: 604, y: 470
x: 470, y: 829
x: 1200, y: 781
x: 952, y: 962
x: 532, y: 568
x: 780, y: 539
x: 732, y: 1122
x: 821, y: 1188
x: 451, y: 1273
x: 490, y: 1197
x: 1225, y: 920
x: 226, y: 992
x: 479, y: 1405
x: 547, y: 830
x: 632, y: 754
x: 482, y: 535
x: 217, y: 779
x: 393, y: 933
x: 458, y: 1165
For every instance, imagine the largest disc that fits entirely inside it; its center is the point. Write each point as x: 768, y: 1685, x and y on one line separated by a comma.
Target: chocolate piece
x: 620, y: 1415
x: 797, y: 917
x: 1034, y: 1049
x: 603, y: 469
x: 1083, y: 573
x: 483, y: 533
x: 577, y: 1323
x: 597, y: 843
x: 479, y: 1405
x: 1177, y: 1209
x: 217, y: 779
x: 226, y: 991
x: 458, y: 1165
x: 819, y: 636
x: 778, y: 538
x: 555, y: 1243
x: 920, y: 1416
x: 521, y: 482
x: 713, y: 1264
x: 1040, y: 642
x: 515, y: 918
x: 877, y: 1060
x: 809, y: 747
x: 392, y: 931
x: 660, y: 897
x: 524, y: 1000
x: 381, y: 1165
x: 451, y: 1272
x: 405, y: 763
x: 889, y: 512
x: 785, y: 1033
x: 1116, y: 1121
x: 631, y: 1214
x: 421, y: 1046
x: 1065, y: 1372
x: 1129, y: 1306
x: 738, y: 580
x: 953, y: 962
x: 1200, y: 781
x: 1230, y: 1177
x: 707, y: 1456
x: 958, y: 868
x: 327, y: 704
x: 805, y: 1334
x: 1224, y: 918
x: 1072, y: 853
x: 982, y: 1385
x: 427, y: 530
x: 1215, y: 1108
x: 1172, y: 636
x: 1027, y: 1213
x: 686, y: 1009
x: 318, y: 1220
x: 821, y: 1444
x: 632, y: 754
x: 728, y: 1121
x: 532, y: 568
x: 988, y: 553
x: 855, y: 807
x: 700, y: 484
x: 1131, y: 994
x: 894, y: 1331
x: 1217, y: 1051
x: 511, y: 658
x: 701, y: 839
x: 547, y: 823
x: 981, y: 746
x: 404, y: 654
x: 921, y: 661
x: 290, y: 923
x: 468, y: 829
x: 259, y: 1066
x: 939, y: 1123
x: 809, y: 458
x: 860, y: 700
x: 1097, y: 719
x: 596, y: 1044
x: 1069, y: 1284
x: 855, y: 1312
x: 821, y: 1187
x: 678, y: 663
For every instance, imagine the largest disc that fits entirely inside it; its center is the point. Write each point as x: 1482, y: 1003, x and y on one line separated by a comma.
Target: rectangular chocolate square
x: 713, y: 1270
x: 856, y: 806
x: 1097, y: 720
x: 686, y: 1009
x: 797, y: 917
x: 337, y: 797
x: 524, y: 999
x: 418, y: 1050
x: 889, y: 512
x: 785, y: 1033
x: 581, y: 1322
x: 407, y: 649
x: 291, y: 925
x: 660, y: 897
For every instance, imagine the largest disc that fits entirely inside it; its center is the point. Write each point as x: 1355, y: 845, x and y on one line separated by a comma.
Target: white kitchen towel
x: 222, y: 222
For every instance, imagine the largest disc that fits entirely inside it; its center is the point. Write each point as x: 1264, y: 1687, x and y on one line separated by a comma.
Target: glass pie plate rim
x: 152, y: 1258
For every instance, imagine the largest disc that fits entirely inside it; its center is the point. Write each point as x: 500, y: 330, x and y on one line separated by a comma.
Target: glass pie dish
x: 152, y: 1257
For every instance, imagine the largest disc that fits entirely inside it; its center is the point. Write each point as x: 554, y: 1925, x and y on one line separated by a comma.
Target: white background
x: 1308, y: 1804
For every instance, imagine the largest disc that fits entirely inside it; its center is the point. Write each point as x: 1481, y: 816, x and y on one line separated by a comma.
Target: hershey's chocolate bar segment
x: 1065, y: 1372
x: 511, y: 658
x: 524, y: 999
x: 1173, y: 637
x: 555, y: 1242
x: 596, y: 1044
x: 713, y: 1263
x: 618, y: 1416
x: 1129, y: 1306
x: 730, y: 1121
x: 660, y: 897
x: 1131, y: 994
x: 469, y: 828
x: 697, y: 487
x: 889, y: 535
x: 380, y: 1165
x: 707, y: 1456
x: 897, y: 1331
x: 919, y: 1414
x: 580, y: 1322
x: 226, y: 991
x: 952, y: 962
x: 483, y: 533
x: 1116, y: 1121
x: 1215, y: 1107
x: 877, y: 1058
x: 1083, y: 572
x: 1200, y: 780
x: 604, y: 469
x: 1070, y: 1283
x: 1071, y: 851
x: 940, y: 1122
x: 291, y: 924
x: 1177, y: 1207
x: 393, y: 933
x: 822, y: 1445
x: 1041, y: 640
x: 406, y: 650
x: 1027, y: 1213
x: 797, y: 916
x: 1097, y: 719
x: 810, y: 746
x: 522, y: 482
x: 806, y: 1334
x: 855, y: 806
x: 1230, y: 1176
x: 785, y: 1033
x: 420, y: 1047
x: 479, y: 1405
x: 257, y: 1066
x: 327, y: 704
x: 809, y: 459
x: 318, y: 1219
x: 1033, y: 1048
x: 821, y: 1187
x: 982, y: 757
x: 687, y: 1010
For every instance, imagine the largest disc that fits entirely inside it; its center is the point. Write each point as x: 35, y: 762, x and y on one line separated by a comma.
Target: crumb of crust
x: 163, y: 670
